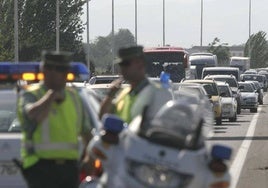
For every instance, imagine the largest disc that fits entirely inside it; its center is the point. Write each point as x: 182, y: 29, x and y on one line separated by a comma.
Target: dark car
x: 255, y: 77
x: 258, y: 88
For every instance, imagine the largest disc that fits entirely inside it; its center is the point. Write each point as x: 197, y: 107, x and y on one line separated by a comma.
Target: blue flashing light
x: 112, y: 123
x: 79, y: 69
x: 221, y: 152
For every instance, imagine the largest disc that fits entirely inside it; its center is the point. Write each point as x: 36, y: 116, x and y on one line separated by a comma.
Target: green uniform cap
x: 57, y: 58
x: 129, y: 53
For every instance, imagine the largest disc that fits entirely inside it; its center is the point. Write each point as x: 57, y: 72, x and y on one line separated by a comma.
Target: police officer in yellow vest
x: 142, y: 95
x: 52, y: 118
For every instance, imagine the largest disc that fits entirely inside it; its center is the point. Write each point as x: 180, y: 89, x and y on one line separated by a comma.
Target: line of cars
x: 229, y: 92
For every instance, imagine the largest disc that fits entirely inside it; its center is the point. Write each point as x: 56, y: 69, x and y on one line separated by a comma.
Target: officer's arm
x: 39, y: 110
x: 107, y: 105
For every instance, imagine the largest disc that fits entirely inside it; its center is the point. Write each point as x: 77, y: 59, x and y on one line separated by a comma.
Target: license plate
x: 8, y: 169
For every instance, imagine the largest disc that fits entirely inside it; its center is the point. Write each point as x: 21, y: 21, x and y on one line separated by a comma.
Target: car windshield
x: 225, y: 90
x: 247, y: 87
x: 210, y: 89
x: 257, y: 85
x: 165, y: 129
x: 191, y: 90
x: 8, y: 100
x: 253, y: 77
x: 230, y: 81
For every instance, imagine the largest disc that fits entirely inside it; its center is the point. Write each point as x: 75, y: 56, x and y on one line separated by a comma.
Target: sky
x: 226, y: 19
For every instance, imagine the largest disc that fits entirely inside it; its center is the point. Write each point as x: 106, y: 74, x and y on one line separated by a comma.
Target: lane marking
x: 241, y: 155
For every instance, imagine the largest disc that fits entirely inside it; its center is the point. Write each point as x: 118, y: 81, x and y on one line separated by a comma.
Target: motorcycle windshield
x: 178, y: 126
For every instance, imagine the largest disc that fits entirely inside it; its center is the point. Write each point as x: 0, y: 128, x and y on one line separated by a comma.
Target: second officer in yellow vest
x: 142, y: 94
x: 52, y: 118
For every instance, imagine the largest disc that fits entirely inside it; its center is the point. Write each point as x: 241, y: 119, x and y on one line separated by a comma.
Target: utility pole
x: 201, y: 31
x: 164, y: 42
x: 16, y: 31
x: 113, y: 54
x: 136, y: 18
x: 57, y: 26
x: 249, y: 30
x: 88, y: 47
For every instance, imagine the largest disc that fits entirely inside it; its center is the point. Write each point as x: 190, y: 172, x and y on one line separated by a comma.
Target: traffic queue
x: 137, y: 152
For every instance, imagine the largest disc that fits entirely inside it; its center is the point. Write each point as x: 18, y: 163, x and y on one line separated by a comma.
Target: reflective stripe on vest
x: 45, y: 142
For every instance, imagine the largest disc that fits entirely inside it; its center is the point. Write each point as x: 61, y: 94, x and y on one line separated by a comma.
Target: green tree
x: 101, y: 49
x: 7, y: 29
x: 220, y: 50
x: 38, y: 28
x: 257, y: 49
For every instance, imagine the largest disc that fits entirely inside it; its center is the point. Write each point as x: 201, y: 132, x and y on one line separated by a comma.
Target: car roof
x: 107, y: 76
x: 199, y: 81
x: 221, y: 76
x: 221, y: 68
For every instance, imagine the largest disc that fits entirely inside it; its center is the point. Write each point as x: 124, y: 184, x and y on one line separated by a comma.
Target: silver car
x: 229, y: 103
x: 249, y: 97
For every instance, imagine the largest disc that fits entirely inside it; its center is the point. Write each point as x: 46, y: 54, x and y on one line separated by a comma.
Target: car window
x: 226, y: 90
x: 230, y: 81
x: 210, y: 89
x: 189, y: 89
x: 8, y: 105
x: 247, y: 88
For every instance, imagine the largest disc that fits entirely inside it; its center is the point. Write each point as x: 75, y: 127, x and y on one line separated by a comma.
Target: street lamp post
x: 164, y: 43
x: 201, y: 31
x: 16, y: 33
x: 249, y: 29
x: 136, y: 29
x: 113, y: 54
x: 249, y: 20
x: 57, y: 25
x: 88, y: 47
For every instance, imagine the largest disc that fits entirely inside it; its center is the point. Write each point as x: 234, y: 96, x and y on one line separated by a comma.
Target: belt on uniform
x: 57, y: 161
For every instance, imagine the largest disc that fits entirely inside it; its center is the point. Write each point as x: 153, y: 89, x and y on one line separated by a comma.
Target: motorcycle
x: 169, y: 151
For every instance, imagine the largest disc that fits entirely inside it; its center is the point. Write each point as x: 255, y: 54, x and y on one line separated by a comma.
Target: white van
x: 221, y: 71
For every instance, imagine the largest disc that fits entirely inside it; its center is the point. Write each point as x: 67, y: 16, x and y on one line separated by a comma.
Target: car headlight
x: 153, y: 176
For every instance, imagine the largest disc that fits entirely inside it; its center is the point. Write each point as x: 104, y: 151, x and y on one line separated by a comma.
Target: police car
x: 10, y: 135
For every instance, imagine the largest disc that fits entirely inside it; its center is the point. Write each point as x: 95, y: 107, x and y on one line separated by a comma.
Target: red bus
x: 173, y: 60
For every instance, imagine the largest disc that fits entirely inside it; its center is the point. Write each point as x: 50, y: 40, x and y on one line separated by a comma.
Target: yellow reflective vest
x: 152, y: 96
x: 57, y: 136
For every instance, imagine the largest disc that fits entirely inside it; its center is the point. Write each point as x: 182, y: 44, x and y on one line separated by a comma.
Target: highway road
x: 248, y: 137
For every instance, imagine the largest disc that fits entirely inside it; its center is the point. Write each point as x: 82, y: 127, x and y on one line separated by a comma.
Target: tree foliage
x: 221, y: 51
x: 257, y: 49
x: 37, y: 27
x: 101, y: 48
